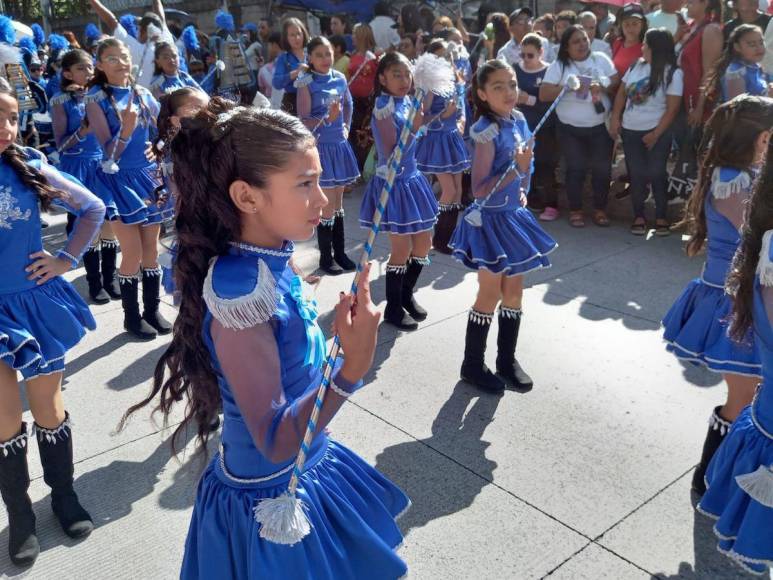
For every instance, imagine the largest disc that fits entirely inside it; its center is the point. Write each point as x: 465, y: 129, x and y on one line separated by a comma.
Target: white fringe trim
x: 386, y: 111
x: 155, y: 272
x: 20, y: 441
x: 124, y: 279
x: 425, y: 261
x: 718, y: 423
x: 480, y: 317
x: 53, y: 435
x: 60, y: 99
x: 724, y: 189
x: 513, y: 313
x: 339, y: 213
x: 765, y: 265
x: 95, y: 97
x: 327, y: 222
x: 488, y: 134
x: 396, y: 269
x: 109, y: 243
x: 758, y: 485
x: 303, y: 80
x: 246, y: 311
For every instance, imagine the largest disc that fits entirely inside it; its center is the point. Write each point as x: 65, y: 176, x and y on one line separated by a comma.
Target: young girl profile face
x: 321, y: 58
x: 500, y: 91
x: 80, y: 73
x: 9, y: 121
x: 168, y: 61
x: 397, y: 80
x: 116, y: 63
x: 750, y: 47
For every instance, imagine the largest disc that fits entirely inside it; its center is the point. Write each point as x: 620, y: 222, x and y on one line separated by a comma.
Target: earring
x: 254, y: 210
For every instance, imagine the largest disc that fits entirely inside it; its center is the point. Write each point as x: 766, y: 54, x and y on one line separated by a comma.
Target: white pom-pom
x: 282, y: 519
x: 759, y: 485
x: 110, y: 167
x: 433, y: 73
x: 9, y: 54
x: 220, y: 65
x: 572, y: 82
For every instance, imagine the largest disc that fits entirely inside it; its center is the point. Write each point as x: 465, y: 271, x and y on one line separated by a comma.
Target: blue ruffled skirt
x: 130, y: 194
x: 442, y: 152
x: 695, y: 328
x: 84, y: 169
x: 352, y: 509
x: 743, y: 526
x: 339, y: 165
x: 38, y: 326
x: 412, y: 207
x: 508, y: 242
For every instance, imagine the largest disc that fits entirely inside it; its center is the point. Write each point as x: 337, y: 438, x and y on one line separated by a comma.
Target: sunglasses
x: 35, y: 69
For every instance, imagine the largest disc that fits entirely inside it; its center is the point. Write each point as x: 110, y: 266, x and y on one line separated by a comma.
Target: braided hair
x: 17, y: 159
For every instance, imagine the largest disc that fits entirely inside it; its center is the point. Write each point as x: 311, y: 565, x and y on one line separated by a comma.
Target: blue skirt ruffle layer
x: 339, y: 165
x: 130, y: 193
x: 744, y: 526
x: 442, y: 152
x: 84, y: 169
x: 508, y: 242
x: 411, y: 208
x: 38, y: 326
x: 695, y: 328
x: 352, y: 509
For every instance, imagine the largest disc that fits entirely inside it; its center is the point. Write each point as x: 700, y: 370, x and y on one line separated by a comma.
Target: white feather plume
x: 434, y: 73
x: 9, y: 54
x: 572, y: 82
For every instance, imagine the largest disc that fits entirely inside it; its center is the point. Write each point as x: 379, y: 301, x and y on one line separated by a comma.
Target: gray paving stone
x: 596, y: 563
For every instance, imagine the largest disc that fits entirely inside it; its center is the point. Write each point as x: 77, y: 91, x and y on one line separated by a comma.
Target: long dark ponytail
x: 663, y: 65
x: 222, y: 144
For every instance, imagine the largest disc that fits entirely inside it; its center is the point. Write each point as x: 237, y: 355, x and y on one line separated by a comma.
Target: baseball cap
x: 519, y: 12
x: 632, y: 10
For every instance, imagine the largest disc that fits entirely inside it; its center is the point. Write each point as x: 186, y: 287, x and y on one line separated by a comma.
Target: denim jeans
x: 647, y: 166
x: 586, y: 149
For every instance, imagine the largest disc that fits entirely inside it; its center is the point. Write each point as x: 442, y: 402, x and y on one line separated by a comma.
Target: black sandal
x: 662, y: 229
x: 639, y: 228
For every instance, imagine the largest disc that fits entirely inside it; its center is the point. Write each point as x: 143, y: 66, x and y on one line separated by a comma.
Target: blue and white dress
x: 164, y: 84
x: 412, y: 207
x: 695, y: 327
x: 351, y: 507
x: 40, y: 323
x: 83, y: 156
x: 339, y: 165
x: 740, y: 476
x: 441, y: 147
x: 750, y: 74
x: 509, y: 240
x: 130, y: 194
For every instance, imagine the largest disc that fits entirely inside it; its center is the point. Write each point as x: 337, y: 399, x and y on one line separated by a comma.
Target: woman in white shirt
x: 585, y: 141
x: 645, y: 106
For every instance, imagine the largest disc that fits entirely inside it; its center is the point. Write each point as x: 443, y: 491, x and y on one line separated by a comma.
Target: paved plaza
x: 586, y: 476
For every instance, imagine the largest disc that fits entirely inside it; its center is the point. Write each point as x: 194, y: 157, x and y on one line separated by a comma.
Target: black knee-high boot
x: 394, y: 312
x: 325, y: 241
x: 444, y: 228
x: 339, y: 243
x: 412, y: 273
x: 109, y: 251
x: 151, y: 298
x: 718, y: 428
x: 93, y: 277
x: 507, y: 339
x: 55, y: 447
x: 132, y: 321
x: 474, y: 369
x: 23, y: 546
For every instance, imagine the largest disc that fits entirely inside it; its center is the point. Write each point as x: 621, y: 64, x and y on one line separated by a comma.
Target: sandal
x: 600, y: 218
x: 639, y: 227
x: 662, y: 228
x: 576, y: 219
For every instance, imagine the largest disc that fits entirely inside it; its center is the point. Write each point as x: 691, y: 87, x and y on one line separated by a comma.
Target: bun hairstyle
x: 759, y: 219
x: 728, y: 141
x: 220, y: 145
x: 16, y: 158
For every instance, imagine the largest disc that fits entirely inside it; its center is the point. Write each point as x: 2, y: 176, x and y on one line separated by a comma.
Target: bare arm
x: 549, y: 92
x: 99, y: 125
x: 673, y: 104
x: 303, y: 97
x: 482, y: 162
x: 105, y: 15
x: 158, y: 8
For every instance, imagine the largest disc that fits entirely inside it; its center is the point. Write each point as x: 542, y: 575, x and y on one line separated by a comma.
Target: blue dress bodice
x: 506, y: 134
x: 397, y: 108
x: 437, y: 107
x: 75, y: 109
x: 754, y: 78
x: 133, y: 155
x: 167, y: 83
x: 324, y: 89
x: 723, y: 237
x: 293, y: 322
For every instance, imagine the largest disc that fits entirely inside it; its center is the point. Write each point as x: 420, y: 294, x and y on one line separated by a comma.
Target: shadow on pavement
x: 424, y: 476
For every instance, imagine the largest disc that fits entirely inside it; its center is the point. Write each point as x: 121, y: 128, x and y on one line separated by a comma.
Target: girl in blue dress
x: 122, y: 116
x: 246, y: 335
x: 291, y: 63
x: 325, y: 107
x: 441, y: 151
x: 740, y: 476
x: 508, y: 242
x: 411, y: 211
x: 41, y: 318
x: 738, y: 69
x: 695, y: 327
x: 80, y: 156
x: 167, y: 74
